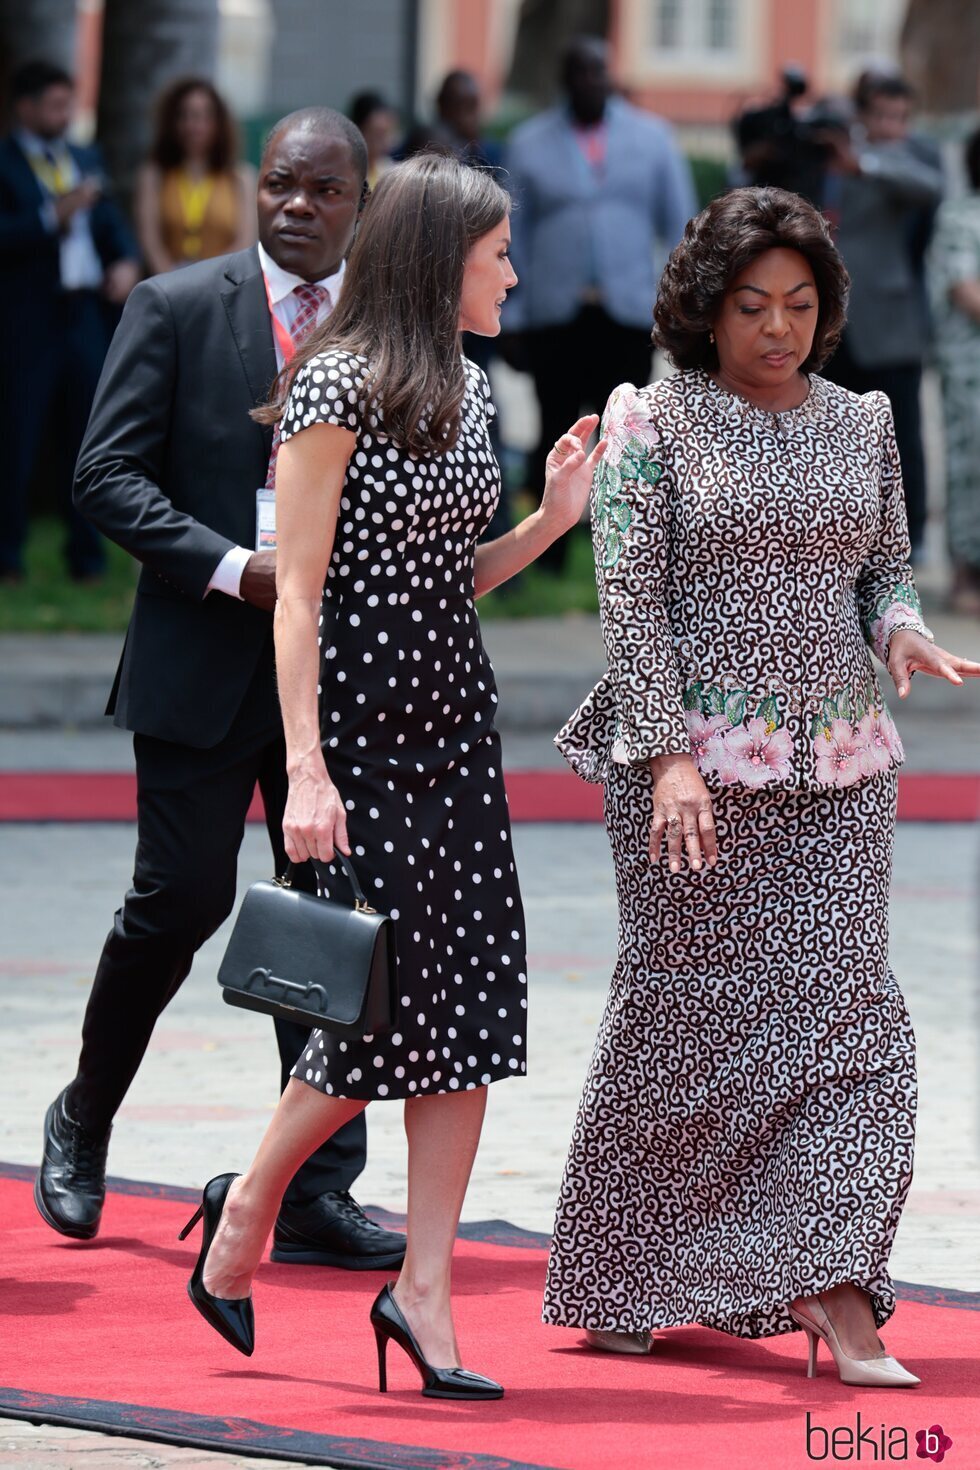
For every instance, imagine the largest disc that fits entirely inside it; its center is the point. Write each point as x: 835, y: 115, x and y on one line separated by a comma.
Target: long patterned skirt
x: 745, y: 1135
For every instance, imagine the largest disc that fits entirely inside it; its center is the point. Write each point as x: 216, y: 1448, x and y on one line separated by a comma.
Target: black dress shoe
x: 333, y: 1230
x: 69, y: 1189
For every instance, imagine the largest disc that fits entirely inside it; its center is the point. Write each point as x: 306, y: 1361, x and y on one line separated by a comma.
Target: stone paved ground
x: 208, y: 1085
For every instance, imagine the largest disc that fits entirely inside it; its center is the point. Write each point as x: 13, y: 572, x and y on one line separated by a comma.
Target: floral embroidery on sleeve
x: 899, y: 607
x: 627, y: 459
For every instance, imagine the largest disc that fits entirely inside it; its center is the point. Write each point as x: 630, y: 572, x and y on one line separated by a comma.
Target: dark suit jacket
x: 29, y: 253
x: 169, y: 470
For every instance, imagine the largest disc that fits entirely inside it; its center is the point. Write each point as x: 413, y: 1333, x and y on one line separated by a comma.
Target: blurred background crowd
x: 134, y: 132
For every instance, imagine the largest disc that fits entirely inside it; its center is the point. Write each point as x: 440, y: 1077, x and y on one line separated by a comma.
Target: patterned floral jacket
x: 746, y: 560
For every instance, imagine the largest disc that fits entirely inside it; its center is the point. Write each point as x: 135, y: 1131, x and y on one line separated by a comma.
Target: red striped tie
x: 310, y: 298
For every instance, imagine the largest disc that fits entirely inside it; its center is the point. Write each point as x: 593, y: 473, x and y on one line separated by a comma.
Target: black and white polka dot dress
x: 407, y: 710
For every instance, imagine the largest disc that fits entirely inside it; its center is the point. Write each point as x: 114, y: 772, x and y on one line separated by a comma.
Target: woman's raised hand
x: 682, y: 811
x: 315, y: 822
x: 910, y: 653
x: 568, y: 474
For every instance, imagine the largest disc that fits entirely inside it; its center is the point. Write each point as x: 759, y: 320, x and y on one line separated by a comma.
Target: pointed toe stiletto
x: 437, y: 1383
x: 234, y: 1319
x: 630, y: 1344
x: 883, y: 1372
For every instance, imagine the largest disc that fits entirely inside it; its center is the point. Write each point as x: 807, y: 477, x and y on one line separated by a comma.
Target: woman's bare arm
x: 310, y: 473
x: 146, y: 209
x: 568, y: 477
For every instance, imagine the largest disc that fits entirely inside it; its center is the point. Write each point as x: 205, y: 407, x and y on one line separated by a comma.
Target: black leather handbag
x: 312, y: 960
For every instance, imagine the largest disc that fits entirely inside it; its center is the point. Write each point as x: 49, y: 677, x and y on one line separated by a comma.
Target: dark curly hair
x: 718, y: 244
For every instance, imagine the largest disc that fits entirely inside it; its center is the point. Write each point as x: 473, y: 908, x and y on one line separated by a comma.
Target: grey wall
x: 326, y: 50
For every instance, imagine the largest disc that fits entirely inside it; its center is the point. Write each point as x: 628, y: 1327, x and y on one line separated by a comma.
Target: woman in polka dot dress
x: 384, y: 504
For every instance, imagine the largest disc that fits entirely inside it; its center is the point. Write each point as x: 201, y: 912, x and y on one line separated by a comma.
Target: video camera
x: 784, y: 147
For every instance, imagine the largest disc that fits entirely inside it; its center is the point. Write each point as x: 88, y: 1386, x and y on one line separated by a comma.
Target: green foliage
x: 710, y: 177
x: 48, y: 601
x: 539, y: 594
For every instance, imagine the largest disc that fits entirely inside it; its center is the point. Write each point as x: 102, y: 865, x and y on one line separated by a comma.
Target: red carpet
x: 535, y: 796
x: 101, y: 1335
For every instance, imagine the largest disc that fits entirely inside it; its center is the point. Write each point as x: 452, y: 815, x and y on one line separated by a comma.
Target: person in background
x: 458, y: 130
x: 193, y: 199
x: 69, y: 262
x: 955, y: 280
x: 174, y: 470
x: 883, y: 186
x: 598, y: 186
x: 459, y: 121
x: 378, y: 125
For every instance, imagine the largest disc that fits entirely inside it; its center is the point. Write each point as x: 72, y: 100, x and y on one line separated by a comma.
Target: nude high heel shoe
x: 883, y: 1372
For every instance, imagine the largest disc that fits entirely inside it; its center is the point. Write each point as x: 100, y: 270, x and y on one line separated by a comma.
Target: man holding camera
x: 888, y: 186
x: 69, y: 263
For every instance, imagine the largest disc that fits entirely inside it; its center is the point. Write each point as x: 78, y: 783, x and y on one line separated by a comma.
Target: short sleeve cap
x: 481, y: 383
x: 329, y: 389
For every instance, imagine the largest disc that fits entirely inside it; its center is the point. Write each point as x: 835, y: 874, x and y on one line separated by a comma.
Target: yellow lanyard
x: 195, y: 196
x: 56, y: 177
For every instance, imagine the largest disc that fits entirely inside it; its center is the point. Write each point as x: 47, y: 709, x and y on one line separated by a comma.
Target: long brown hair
x: 167, y: 152
x: 400, y: 302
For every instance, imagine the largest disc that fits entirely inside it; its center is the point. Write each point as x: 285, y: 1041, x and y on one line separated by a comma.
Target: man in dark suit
x: 69, y: 262
x: 172, y: 468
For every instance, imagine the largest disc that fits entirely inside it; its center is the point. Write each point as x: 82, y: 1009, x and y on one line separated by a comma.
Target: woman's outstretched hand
x: 682, y: 810
x: 315, y: 821
x: 568, y: 474
x: 910, y: 653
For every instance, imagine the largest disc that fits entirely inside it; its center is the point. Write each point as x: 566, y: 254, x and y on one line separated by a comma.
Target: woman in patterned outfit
x: 385, y: 481
x: 744, y: 1140
x: 955, y: 261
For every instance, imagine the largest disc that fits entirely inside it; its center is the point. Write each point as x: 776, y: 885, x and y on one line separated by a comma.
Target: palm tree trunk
x: 33, y: 30
x: 940, y: 45
x: 145, y: 45
x: 544, y: 28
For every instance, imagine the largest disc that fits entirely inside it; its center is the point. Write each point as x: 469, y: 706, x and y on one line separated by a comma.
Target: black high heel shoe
x: 233, y: 1318
x: 437, y: 1383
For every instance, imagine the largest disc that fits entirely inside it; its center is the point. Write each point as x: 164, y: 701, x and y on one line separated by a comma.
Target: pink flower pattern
x: 880, y: 747
x: 701, y: 732
x: 625, y: 420
x: 840, y: 754
x: 761, y: 755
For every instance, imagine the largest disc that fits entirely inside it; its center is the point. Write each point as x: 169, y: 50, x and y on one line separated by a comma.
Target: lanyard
x: 53, y: 174
x: 195, y: 196
x: 284, y: 341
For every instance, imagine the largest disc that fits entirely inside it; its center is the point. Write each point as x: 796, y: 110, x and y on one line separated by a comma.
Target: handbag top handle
x: 360, y: 898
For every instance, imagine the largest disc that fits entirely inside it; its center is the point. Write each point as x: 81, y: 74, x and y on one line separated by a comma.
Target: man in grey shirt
x: 882, y: 192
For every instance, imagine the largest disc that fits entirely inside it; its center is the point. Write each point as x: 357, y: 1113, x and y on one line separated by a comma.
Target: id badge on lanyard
x: 265, y: 498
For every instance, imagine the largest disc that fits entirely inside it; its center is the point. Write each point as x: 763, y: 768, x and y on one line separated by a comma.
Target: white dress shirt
x: 81, y: 267
x: 280, y: 285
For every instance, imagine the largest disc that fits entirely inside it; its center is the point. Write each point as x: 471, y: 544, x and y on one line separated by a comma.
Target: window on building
x: 867, y: 28
x: 668, y: 24
x: 695, y: 31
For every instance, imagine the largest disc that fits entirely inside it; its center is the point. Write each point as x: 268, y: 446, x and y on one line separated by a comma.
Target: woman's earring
x: 711, y: 338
